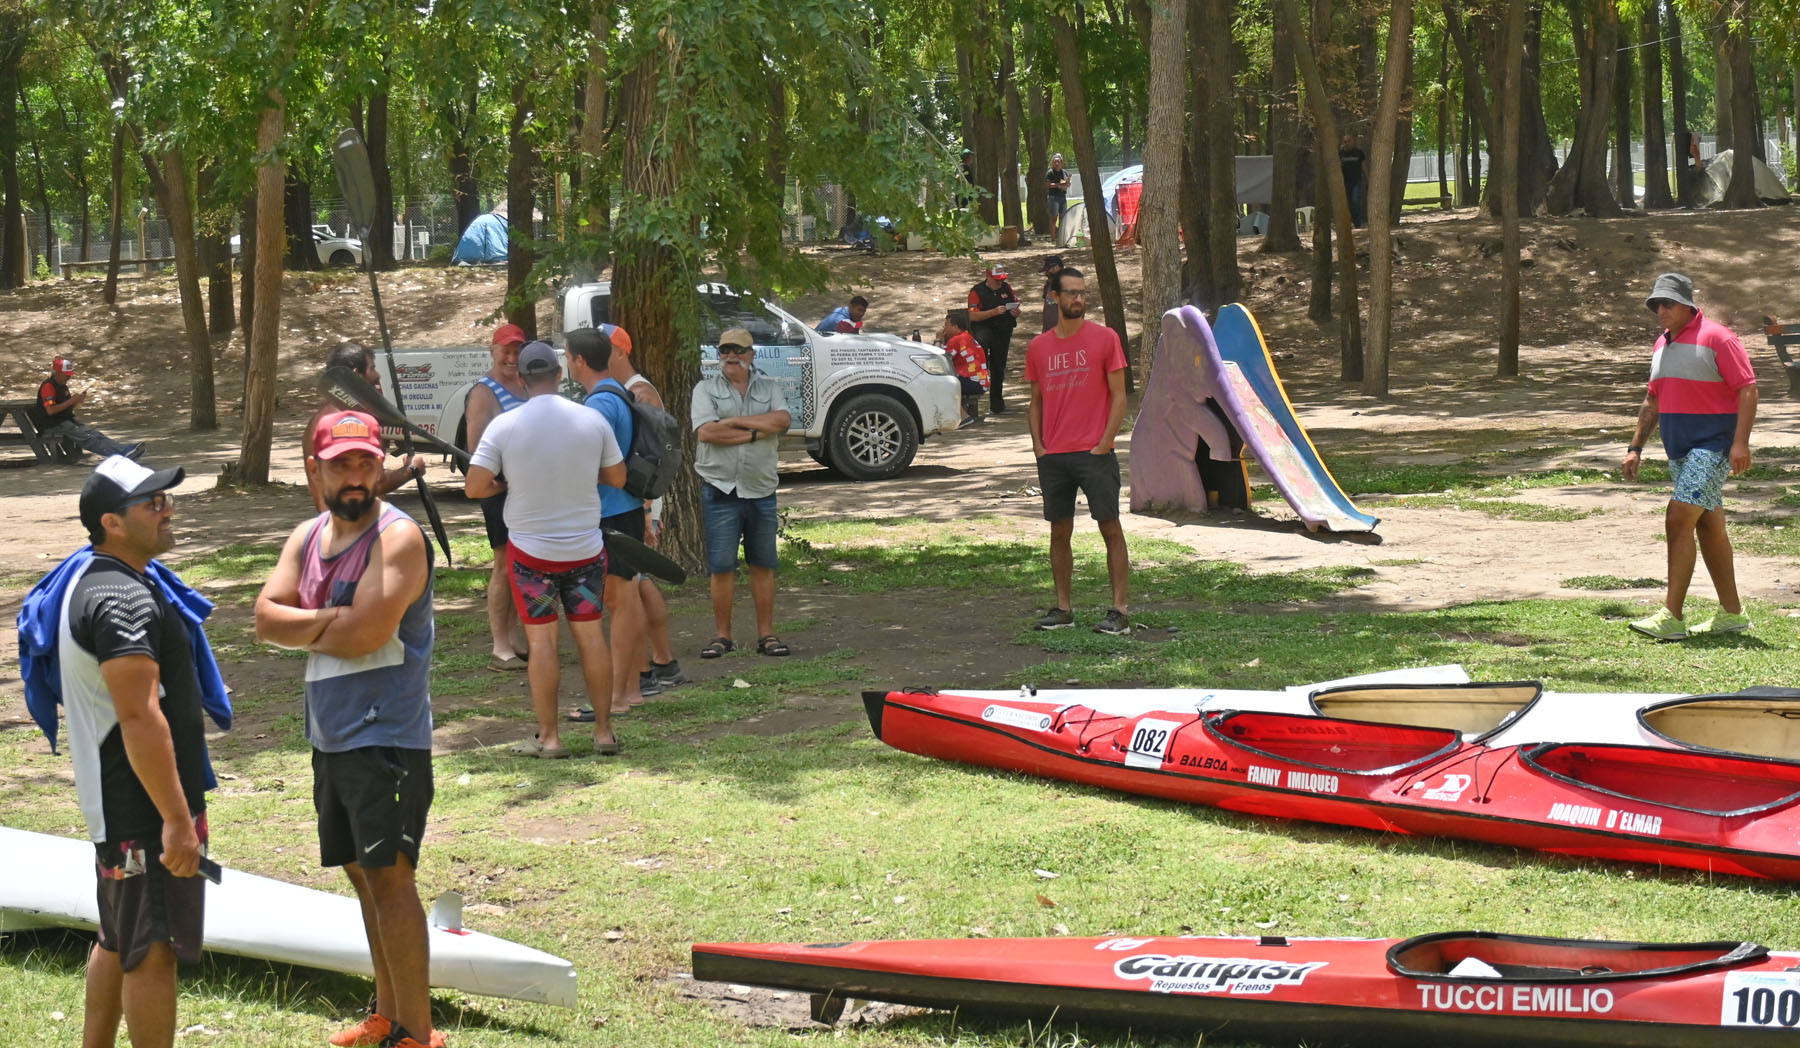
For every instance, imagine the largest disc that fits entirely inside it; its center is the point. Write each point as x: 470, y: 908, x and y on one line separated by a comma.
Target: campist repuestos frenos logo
x: 1229, y: 975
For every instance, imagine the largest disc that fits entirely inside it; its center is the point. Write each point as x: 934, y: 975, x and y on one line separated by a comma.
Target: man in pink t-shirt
x: 1077, y: 376
x: 1702, y: 394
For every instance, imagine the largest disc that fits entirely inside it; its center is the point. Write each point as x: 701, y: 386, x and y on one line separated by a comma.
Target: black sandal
x: 770, y: 646
x: 718, y: 647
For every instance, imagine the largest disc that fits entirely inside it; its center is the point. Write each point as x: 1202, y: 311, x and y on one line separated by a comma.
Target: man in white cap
x: 54, y: 415
x: 1703, y: 395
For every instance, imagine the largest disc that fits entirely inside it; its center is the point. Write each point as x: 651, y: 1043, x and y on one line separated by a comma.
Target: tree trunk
x: 1403, y: 139
x: 263, y: 353
x: 1284, y: 142
x: 595, y: 194
x: 1075, y: 108
x: 1624, y: 184
x: 1581, y: 183
x: 1678, y: 91
x: 1350, y: 349
x: 297, y: 210
x: 521, y: 169
x: 178, y: 205
x: 1318, y: 296
x: 13, y: 262
x: 1212, y: 150
x: 1511, y: 69
x: 1394, y: 87
x: 1465, y: 146
x: 1037, y: 148
x: 249, y: 217
x: 463, y: 187
x: 214, y: 231
x: 1741, y: 192
x: 1159, y: 212
x: 115, y: 223
x: 43, y: 187
x: 378, y: 244
x: 1656, y: 154
x: 1011, y: 206
x: 1443, y: 118
x: 653, y: 289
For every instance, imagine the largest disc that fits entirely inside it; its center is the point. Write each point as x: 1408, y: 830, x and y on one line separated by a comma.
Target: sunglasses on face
x: 158, y: 502
x: 741, y: 350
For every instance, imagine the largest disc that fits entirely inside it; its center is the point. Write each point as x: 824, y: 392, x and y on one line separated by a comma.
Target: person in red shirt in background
x: 970, y: 361
x: 1077, y: 376
x: 54, y: 415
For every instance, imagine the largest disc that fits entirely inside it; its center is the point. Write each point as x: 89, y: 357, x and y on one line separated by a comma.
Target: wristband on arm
x: 1634, y: 449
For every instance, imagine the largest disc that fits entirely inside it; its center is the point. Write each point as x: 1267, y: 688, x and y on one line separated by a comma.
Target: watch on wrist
x: 1634, y: 449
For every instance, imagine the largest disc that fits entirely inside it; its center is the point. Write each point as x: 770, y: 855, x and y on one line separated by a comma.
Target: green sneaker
x: 1664, y: 625
x: 1723, y: 622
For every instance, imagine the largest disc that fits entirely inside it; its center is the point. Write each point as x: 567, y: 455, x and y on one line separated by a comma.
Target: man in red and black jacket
x: 55, y: 415
x: 993, y: 313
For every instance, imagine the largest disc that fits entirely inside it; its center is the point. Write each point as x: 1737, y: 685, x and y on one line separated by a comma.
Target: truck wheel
x: 873, y: 437
x: 340, y: 257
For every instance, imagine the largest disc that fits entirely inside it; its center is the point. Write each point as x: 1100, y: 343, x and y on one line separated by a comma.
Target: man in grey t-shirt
x: 738, y: 417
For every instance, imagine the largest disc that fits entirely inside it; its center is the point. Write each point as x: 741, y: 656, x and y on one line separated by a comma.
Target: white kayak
x: 48, y: 882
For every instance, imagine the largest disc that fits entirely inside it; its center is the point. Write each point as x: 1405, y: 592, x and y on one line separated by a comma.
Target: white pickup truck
x: 862, y: 403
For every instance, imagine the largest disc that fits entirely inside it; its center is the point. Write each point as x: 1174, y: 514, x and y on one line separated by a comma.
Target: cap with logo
x: 739, y: 337
x: 538, y: 358
x: 997, y: 271
x: 63, y: 366
x: 1675, y: 287
x: 345, y: 431
x: 508, y: 335
x: 117, y: 482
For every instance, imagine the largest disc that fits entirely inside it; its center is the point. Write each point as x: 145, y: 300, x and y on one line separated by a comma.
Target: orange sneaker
x: 366, y: 1034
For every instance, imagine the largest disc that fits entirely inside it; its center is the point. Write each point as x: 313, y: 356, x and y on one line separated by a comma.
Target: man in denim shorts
x: 739, y: 415
x: 1703, y: 394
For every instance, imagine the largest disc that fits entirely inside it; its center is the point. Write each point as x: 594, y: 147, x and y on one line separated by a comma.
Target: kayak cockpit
x: 1762, y: 722
x: 1707, y: 783
x: 1349, y: 747
x: 1475, y: 709
x: 1490, y: 957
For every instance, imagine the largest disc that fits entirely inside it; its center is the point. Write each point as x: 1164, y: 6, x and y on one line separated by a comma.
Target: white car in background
x: 332, y: 250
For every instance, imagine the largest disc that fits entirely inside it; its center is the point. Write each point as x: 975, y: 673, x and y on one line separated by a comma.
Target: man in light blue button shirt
x: 738, y: 417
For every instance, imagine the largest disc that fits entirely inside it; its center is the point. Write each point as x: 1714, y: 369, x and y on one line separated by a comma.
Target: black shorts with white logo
x: 372, y: 803
x: 1096, y: 476
x: 142, y: 904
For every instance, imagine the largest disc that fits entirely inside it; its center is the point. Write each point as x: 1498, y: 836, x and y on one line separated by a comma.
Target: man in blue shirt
x: 590, y: 365
x: 844, y: 320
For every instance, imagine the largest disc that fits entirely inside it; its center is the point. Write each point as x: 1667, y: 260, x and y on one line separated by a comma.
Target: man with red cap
x: 993, y: 313
x: 495, y: 393
x: 54, y: 415
x: 353, y: 589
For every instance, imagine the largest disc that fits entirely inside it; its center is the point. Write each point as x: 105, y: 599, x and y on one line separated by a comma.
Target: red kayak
x: 1448, y: 988
x: 1701, y: 808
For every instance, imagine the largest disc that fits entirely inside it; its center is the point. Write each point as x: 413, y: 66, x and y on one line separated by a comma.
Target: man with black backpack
x: 621, y: 510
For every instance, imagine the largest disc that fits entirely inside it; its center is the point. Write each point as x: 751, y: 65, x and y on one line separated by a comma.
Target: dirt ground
x: 1586, y: 330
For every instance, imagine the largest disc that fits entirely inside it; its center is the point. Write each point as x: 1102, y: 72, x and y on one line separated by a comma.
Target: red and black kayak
x: 1450, y: 988
x: 1696, y: 805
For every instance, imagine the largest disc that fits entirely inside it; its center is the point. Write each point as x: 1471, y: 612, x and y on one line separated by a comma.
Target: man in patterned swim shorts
x: 1703, y: 394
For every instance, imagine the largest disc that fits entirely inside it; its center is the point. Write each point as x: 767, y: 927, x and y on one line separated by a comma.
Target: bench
x: 47, y: 449
x: 68, y: 268
x: 1781, y: 336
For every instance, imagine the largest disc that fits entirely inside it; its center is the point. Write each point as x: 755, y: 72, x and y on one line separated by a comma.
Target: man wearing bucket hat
x: 1702, y: 393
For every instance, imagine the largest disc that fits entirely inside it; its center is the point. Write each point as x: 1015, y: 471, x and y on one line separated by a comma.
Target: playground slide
x: 1257, y: 406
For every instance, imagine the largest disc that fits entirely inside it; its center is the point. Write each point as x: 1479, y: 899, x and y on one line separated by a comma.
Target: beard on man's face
x: 347, y: 509
x: 1074, y: 310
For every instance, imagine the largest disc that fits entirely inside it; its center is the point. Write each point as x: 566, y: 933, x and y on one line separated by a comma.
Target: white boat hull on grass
x: 48, y: 881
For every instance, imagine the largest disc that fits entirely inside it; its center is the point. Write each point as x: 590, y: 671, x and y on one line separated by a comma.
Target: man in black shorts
x: 138, y: 744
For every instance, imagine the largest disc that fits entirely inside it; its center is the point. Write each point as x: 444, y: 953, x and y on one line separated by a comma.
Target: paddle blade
x: 354, y: 392
x: 356, y: 179
x: 641, y: 558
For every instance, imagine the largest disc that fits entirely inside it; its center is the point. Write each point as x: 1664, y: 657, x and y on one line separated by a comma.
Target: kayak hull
x: 1719, y: 812
x: 1316, y: 991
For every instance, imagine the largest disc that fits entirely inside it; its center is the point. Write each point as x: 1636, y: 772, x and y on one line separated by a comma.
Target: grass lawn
x: 715, y: 826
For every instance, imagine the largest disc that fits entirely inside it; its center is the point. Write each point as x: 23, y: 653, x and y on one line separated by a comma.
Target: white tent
x: 1718, y: 176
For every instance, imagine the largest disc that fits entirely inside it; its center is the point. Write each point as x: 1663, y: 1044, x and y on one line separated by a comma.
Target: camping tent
x: 483, y: 243
x: 1718, y: 176
x: 1255, y: 181
x: 1074, y: 225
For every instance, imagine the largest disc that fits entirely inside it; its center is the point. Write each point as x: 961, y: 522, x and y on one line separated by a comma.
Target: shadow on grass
x: 63, y: 953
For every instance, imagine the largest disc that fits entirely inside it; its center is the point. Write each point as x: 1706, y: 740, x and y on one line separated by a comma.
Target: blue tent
x: 483, y: 243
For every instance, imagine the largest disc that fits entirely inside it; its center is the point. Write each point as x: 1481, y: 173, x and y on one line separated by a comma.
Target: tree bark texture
x: 521, y: 229
x: 213, y: 228
x: 595, y: 195
x: 1159, y: 221
x: 1581, y: 183
x: 1624, y: 182
x: 265, y: 332
x: 1284, y: 145
x: 464, y: 189
x: 1656, y: 152
x: 1075, y: 109
x: 12, y: 207
x: 1037, y: 153
x: 1512, y: 109
x: 297, y: 215
x: 1012, y: 208
x: 178, y: 207
x: 1678, y: 91
x: 1212, y: 149
x: 379, y: 244
x: 1382, y: 212
x: 1741, y: 193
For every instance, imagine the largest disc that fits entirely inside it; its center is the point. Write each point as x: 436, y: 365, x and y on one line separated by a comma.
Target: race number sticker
x: 1769, y: 999
x: 1149, y: 744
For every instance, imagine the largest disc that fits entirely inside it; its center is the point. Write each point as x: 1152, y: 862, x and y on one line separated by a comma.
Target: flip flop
x: 607, y: 749
x: 718, y: 647
x: 582, y: 714
x: 533, y: 748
